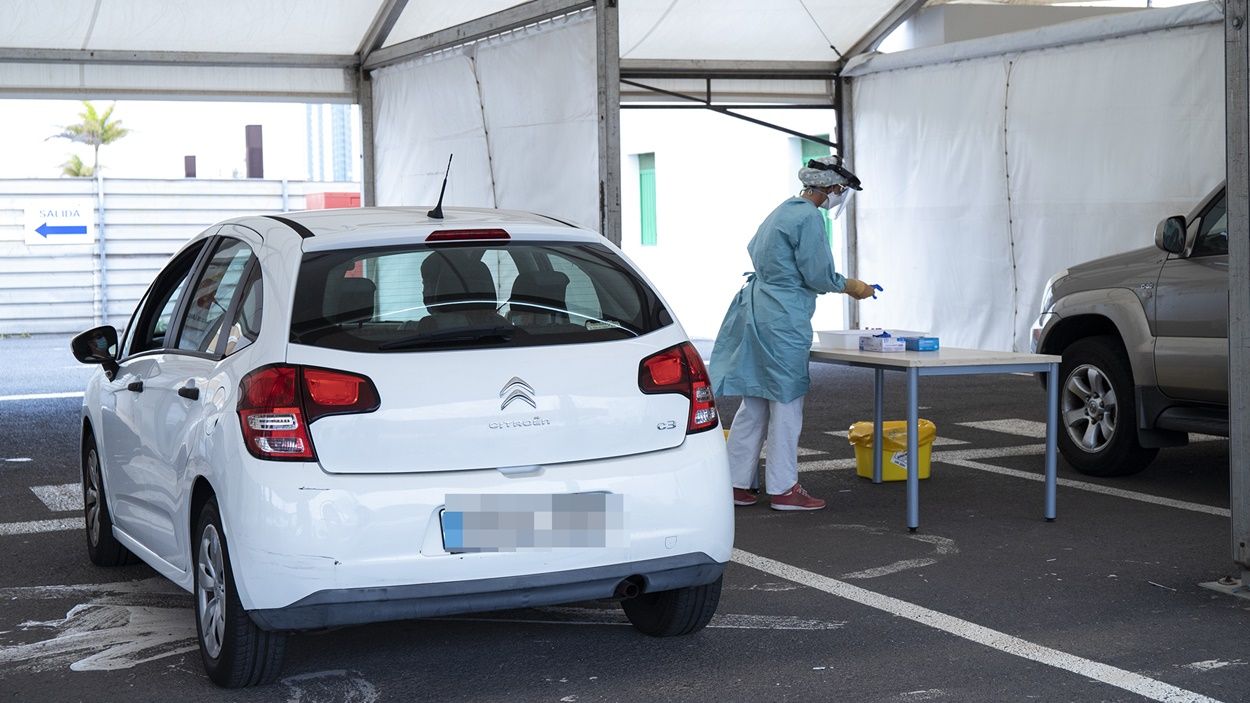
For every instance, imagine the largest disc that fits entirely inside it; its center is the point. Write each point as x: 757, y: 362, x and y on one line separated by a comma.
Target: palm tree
x: 94, y: 129
x: 75, y: 168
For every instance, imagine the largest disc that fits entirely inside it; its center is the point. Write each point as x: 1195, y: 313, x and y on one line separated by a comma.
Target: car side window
x: 214, y: 291
x: 156, y: 316
x: 1213, y: 232
x: 245, y: 327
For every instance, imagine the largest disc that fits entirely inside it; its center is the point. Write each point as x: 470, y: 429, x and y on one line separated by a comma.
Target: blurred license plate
x: 535, y: 522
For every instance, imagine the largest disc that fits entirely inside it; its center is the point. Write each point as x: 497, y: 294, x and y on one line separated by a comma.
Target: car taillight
x: 277, y: 403
x: 680, y: 370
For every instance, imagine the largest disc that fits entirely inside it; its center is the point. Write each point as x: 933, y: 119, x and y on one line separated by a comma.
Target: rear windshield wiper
x: 462, y: 334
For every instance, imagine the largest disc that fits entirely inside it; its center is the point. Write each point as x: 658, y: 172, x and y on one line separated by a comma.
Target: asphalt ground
x: 986, y: 602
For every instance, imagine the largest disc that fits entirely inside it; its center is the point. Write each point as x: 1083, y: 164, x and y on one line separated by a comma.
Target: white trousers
x: 781, y: 422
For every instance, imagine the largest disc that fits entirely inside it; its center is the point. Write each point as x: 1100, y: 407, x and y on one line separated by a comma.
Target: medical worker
x: 762, y: 349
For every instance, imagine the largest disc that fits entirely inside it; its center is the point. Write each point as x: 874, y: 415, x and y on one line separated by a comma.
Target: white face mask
x: 834, y: 203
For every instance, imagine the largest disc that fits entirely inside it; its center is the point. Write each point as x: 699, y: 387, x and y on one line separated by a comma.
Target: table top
x: 943, y: 357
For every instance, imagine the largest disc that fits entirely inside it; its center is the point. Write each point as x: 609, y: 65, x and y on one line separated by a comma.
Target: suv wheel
x: 1098, y: 410
x: 235, y: 651
x: 102, y: 547
x: 681, y: 611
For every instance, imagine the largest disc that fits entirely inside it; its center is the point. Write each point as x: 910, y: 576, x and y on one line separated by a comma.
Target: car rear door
x: 1191, y: 308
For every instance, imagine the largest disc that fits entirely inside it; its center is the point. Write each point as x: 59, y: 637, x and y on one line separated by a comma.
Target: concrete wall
x: 716, y: 180
x: 50, y: 287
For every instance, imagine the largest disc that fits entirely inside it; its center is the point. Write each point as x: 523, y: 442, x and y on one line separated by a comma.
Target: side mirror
x: 1170, y: 235
x: 97, y: 346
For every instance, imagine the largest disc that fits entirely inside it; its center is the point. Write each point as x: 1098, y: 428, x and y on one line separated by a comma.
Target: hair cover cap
x: 820, y: 178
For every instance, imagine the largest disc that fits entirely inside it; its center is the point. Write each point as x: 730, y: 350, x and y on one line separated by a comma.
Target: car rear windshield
x: 470, y: 296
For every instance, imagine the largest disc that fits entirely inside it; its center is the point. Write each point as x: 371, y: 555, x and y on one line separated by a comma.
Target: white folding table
x: 947, y: 362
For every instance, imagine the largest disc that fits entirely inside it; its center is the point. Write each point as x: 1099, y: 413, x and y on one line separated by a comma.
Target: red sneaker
x: 796, y: 499
x: 743, y: 496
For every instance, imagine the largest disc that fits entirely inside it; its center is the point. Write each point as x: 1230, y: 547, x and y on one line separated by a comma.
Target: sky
x: 161, y: 133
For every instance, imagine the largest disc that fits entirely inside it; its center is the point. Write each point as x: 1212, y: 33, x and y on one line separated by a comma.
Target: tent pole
x: 608, y: 62
x: 846, y: 141
x: 368, y: 176
x: 1237, y: 77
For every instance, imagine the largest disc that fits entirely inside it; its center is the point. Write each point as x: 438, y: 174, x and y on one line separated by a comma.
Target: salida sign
x: 67, y: 221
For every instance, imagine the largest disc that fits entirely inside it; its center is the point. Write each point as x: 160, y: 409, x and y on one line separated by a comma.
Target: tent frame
x: 372, y: 55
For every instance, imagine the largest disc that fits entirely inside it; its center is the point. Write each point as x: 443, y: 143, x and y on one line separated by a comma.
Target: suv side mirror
x: 97, y: 346
x: 1170, y: 235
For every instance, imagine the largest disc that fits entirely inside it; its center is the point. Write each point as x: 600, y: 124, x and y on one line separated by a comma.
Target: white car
x: 350, y: 416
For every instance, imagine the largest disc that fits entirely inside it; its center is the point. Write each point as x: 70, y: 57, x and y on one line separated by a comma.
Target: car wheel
x: 235, y: 651
x: 681, y: 611
x: 1098, y: 410
x: 102, y: 547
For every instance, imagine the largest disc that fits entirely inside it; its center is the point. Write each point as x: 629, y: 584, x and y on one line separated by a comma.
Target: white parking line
x: 37, y: 526
x: 1008, y: 644
x: 60, y: 499
x: 1095, y: 488
x: 41, y: 396
x: 1023, y: 428
x: 937, y: 441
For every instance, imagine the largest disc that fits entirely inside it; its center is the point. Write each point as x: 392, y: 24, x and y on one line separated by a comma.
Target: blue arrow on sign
x: 45, y: 229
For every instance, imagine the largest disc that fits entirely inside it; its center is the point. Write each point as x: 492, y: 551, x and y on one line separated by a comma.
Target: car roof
x: 333, y: 228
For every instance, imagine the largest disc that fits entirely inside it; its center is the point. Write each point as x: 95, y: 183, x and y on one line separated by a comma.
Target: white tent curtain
x: 518, y: 111
x: 985, y: 177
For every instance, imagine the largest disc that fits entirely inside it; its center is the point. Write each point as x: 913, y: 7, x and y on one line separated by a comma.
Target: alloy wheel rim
x: 91, y: 497
x: 210, y: 592
x: 1090, y: 408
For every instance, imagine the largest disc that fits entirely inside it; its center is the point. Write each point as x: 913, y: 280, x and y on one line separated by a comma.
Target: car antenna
x: 437, y: 212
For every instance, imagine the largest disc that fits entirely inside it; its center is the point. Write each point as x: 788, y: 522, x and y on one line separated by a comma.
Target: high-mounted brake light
x: 463, y: 235
x: 277, y: 403
x: 680, y: 370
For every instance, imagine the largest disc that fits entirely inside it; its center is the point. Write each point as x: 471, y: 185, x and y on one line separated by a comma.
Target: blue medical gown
x: 764, y: 343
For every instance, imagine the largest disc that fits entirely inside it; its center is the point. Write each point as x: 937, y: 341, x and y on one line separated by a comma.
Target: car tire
x: 236, y: 653
x: 681, y: 611
x: 1098, y: 410
x: 102, y: 547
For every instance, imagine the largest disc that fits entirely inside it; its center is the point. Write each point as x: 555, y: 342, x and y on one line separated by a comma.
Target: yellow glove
x: 857, y: 289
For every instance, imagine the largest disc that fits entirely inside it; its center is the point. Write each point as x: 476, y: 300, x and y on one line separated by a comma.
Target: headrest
x: 457, y: 280
x: 545, y: 288
x: 352, y: 302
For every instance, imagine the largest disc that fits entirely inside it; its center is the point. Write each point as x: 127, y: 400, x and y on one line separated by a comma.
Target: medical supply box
x: 893, y: 448
x: 920, y: 343
x: 882, y: 344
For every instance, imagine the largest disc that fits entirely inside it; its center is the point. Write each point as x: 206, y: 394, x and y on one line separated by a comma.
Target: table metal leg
x: 1052, y: 437
x: 913, y: 453
x: 878, y: 413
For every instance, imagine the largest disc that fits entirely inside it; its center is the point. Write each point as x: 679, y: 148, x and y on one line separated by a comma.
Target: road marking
x: 37, y: 526
x: 937, y: 441
x: 1022, y: 428
x: 19, y: 460
x: 41, y: 396
x: 1095, y: 488
x: 1008, y: 644
x: 60, y: 499
x: 341, y: 684
x: 614, y: 616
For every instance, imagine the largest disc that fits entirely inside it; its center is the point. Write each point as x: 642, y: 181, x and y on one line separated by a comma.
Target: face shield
x: 836, y: 203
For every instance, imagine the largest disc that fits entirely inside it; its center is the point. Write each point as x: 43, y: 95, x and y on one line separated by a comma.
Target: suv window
x: 458, y: 296
x: 1213, y: 232
x: 206, y: 312
x: 157, y: 314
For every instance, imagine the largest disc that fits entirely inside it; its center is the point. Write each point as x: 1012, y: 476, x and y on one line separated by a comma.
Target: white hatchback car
x: 350, y: 416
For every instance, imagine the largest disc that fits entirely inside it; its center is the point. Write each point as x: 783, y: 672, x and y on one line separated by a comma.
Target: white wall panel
x: 518, y: 112
x: 984, y: 177
x: 932, y: 217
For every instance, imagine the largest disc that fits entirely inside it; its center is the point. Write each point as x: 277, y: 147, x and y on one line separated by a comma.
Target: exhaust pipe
x: 628, y: 588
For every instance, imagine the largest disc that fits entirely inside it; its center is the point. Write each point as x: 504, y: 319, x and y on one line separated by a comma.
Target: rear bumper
x: 355, y: 606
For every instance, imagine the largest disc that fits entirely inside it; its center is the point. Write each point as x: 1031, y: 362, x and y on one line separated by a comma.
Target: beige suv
x: 1144, y: 339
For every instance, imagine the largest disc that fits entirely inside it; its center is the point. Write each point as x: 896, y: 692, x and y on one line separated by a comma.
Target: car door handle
x: 189, y: 392
x: 135, y: 387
